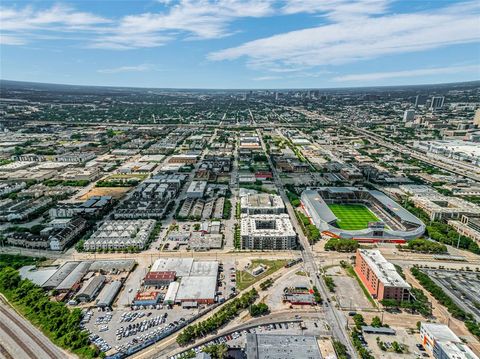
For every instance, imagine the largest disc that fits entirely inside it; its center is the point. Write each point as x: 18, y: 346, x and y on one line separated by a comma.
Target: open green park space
x: 352, y: 216
x: 245, y: 278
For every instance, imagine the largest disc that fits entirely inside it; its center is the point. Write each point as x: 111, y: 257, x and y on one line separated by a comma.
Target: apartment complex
x: 439, y: 207
x: 261, y: 203
x: 264, y: 231
x: 380, y: 276
x: 121, y: 235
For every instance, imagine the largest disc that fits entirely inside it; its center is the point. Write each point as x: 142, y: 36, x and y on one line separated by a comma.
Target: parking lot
x: 463, y: 287
x: 410, y: 340
x: 120, y: 328
x: 125, y: 325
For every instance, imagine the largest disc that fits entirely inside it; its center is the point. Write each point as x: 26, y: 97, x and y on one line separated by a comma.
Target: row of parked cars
x: 99, y: 342
x: 132, y: 329
x: 132, y: 316
x: 166, y: 330
x: 104, y: 319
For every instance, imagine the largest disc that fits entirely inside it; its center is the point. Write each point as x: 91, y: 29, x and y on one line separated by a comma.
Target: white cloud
x: 358, y: 39
x: 58, y: 16
x: 135, y: 68
x: 374, y: 76
x: 336, y: 9
x: 20, y: 26
x: 266, y: 78
x: 201, y: 19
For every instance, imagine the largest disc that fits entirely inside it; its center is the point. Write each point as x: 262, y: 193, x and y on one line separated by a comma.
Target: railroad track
x: 19, y: 342
x: 32, y: 335
x: 5, y: 353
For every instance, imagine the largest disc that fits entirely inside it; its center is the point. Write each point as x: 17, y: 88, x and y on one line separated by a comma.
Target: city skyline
x: 232, y: 44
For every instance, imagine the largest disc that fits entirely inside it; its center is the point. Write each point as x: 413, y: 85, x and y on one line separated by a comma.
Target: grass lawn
x: 352, y: 216
x: 245, y: 279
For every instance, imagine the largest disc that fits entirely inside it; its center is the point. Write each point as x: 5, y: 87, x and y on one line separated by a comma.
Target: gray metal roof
x: 75, y: 276
x: 60, y: 274
x: 108, y: 294
x: 91, y: 286
x: 393, y: 206
x: 318, y: 205
x: 375, y: 330
x: 122, y: 265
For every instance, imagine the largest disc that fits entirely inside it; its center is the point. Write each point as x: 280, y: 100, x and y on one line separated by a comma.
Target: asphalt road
x: 333, y: 316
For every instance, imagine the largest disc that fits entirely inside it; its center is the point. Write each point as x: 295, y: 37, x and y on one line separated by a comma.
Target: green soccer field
x: 352, y: 216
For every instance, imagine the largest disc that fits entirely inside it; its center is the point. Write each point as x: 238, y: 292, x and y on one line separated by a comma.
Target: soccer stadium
x: 361, y: 214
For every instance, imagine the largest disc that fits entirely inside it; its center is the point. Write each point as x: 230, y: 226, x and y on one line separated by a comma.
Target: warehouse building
x: 265, y: 231
x: 171, y: 293
x: 380, y: 276
x: 200, y: 289
x: 181, y: 266
x: 440, y: 341
x: 91, y: 288
x: 107, y: 295
x: 267, y: 346
x: 74, y: 277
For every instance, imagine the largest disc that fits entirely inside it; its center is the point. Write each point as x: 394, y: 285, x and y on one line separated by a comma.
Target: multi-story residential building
x: 119, y: 235
x: 265, y: 231
x: 261, y: 203
x: 60, y: 240
x: 380, y: 276
x: 439, y: 207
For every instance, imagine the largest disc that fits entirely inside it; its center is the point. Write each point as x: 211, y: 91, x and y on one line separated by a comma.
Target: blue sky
x: 240, y: 43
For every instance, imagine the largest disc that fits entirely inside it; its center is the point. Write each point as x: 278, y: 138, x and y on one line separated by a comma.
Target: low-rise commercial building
x: 440, y: 341
x: 380, y: 276
x: 266, y: 346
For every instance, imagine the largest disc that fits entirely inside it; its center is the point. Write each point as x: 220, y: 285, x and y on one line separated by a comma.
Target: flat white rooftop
x: 383, y: 269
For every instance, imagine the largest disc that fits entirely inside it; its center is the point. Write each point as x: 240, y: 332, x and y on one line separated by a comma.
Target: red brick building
x: 380, y: 276
x: 159, y: 278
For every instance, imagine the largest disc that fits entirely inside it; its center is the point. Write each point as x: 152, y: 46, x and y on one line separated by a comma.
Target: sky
x: 240, y: 43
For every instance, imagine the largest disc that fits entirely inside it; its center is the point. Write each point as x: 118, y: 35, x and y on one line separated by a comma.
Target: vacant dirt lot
x: 115, y: 192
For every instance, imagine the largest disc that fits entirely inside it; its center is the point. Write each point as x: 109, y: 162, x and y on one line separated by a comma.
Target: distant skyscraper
x: 476, y: 118
x: 437, y: 102
x: 408, y: 115
x: 420, y: 100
